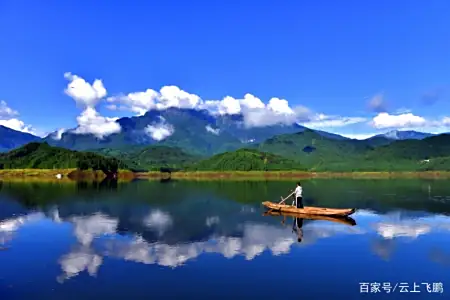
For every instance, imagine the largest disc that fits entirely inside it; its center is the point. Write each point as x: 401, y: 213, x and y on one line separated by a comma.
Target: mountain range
x: 195, y: 131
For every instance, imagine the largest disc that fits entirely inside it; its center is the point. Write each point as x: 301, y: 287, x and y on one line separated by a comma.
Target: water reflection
x: 97, y: 237
x: 97, y: 226
x: 9, y: 227
x: 253, y: 241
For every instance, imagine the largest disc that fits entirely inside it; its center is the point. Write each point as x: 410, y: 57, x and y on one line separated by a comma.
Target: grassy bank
x: 283, y: 175
x: 43, y: 173
x: 65, y: 174
x: 73, y: 174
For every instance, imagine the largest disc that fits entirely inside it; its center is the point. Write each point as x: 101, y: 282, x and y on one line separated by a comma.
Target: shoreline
x: 60, y: 175
x: 76, y: 175
x: 283, y: 175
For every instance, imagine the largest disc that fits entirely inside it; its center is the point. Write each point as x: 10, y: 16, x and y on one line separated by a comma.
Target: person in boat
x: 298, y: 195
x: 297, y: 228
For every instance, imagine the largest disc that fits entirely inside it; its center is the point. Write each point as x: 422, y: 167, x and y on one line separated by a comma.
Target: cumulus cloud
x: 84, y: 93
x: 377, y: 103
x: 258, y: 114
x: 168, y: 96
x: 88, y: 96
x: 255, y: 112
x: 91, y: 122
x: 385, y: 120
x: 8, y: 118
x: 18, y: 125
x: 160, y: 131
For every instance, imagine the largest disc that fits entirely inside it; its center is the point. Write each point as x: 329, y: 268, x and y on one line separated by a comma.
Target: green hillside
x: 43, y: 156
x: 151, y: 157
x: 312, y: 149
x: 403, y: 155
x: 246, y: 160
x: 435, y: 146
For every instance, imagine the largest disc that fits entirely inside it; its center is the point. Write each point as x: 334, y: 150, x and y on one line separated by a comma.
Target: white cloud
x: 8, y: 119
x: 84, y: 93
x: 358, y: 136
x: 385, y: 120
x: 324, y: 121
x: 18, y: 125
x: 168, y: 96
x: 212, y: 130
x: 91, y: 122
x: 57, y: 135
x: 160, y: 131
x: 88, y: 96
x: 7, y: 112
x: 255, y: 112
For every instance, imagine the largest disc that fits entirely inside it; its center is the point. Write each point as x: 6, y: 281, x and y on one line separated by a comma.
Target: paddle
x: 282, y: 200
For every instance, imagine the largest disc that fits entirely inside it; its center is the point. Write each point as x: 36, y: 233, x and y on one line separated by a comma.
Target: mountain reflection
x: 100, y: 235
x: 150, y: 223
x: 253, y: 241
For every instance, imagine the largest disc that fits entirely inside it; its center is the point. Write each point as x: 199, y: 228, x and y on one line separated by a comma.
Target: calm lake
x: 210, y: 240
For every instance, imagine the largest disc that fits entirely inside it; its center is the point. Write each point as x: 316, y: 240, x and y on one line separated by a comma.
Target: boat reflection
x: 343, y: 220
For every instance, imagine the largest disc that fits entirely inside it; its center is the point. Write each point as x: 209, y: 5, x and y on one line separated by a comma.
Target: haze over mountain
x: 404, y: 135
x: 196, y: 131
x: 10, y: 138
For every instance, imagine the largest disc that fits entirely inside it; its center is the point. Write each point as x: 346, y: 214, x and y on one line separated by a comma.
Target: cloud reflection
x: 8, y: 227
x: 77, y: 261
x: 393, y: 230
x: 158, y: 221
x: 255, y: 239
x: 86, y: 228
x: 97, y: 237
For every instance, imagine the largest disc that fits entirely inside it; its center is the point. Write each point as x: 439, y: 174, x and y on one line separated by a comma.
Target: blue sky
x: 351, y: 67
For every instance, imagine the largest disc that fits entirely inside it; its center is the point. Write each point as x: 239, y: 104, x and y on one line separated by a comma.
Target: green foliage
x: 43, y: 156
x: 152, y: 158
x: 306, y: 150
x: 246, y: 160
x: 312, y: 149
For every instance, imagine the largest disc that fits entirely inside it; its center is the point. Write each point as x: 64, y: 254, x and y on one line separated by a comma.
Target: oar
x: 282, y: 200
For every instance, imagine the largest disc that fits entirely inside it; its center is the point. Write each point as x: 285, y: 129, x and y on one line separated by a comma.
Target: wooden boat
x: 309, y: 210
x: 342, y: 220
